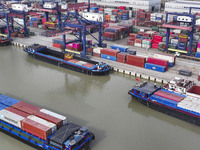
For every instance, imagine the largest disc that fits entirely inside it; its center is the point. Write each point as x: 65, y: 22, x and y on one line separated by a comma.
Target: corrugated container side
x: 155, y: 67
x: 28, y: 108
x: 2, y: 106
x: 59, y: 116
x: 135, y: 63
x: 44, y: 122
x: 169, y: 95
x: 109, y: 57
x: 136, y: 58
x: 49, y: 118
x: 11, y: 118
x: 7, y: 100
x: 157, y: 61
x: 36, y: 128
x: 111, y: 52
x: 18, y: 112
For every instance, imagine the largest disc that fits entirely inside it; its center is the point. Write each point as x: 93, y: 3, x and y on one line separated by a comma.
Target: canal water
x: 101, y: 103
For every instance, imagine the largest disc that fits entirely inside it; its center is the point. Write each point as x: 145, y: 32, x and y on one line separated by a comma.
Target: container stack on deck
x: 32, y: 119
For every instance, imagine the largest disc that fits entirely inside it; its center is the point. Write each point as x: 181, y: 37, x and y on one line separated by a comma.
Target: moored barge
x: 41, y: 128
x: 185, y: 106
x: 68, y: 61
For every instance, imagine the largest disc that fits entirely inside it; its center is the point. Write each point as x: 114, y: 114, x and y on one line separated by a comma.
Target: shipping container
x: 59, y: 116
x: 111, y: 52
x: 119, y: 47
x: 49, y: 118
x: 11, y: 118
x: 169, y: 95
x: 155, y: 67
x: 36, y: 128
x: 18, y: 112
x: 185, y: 72
x: 170, y: 58
x: 7, y: 100
x: 44, y: 122
x: 157, y: 61
x: 25, y: 107
x: 135, y: 63
x: 136, y: 58
x: 109, y: 57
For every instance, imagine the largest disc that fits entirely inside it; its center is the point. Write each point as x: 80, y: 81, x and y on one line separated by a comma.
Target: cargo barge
x: 4, y: 41
x: 183, y: 105
x: 41, y: 128
x: 68, y: 61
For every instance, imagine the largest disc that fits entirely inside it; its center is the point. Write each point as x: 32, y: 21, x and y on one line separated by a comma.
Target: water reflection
x: 147, y: 112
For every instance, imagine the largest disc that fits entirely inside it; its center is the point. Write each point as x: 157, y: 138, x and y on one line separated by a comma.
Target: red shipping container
x: 135, y: 63
x: 90, y: 49
x: 158, y: 38
x: 96, y: 54
x: 25, y: 107
x: 133, y: 22
x: 183, y: 40
x: 138, y: 41
x: 110, y: 52
x: 169, y: 96
x: 157, y: 61
x: 131, y: 43
x: 136, y: 58
x: 89, y: 65
x: 147, y: 35
x: 199, y: 78
x: 36, y: 128
x: 155, y: 46
x: 49, y: 118
x: 18, y: 112
x: 56, y: 45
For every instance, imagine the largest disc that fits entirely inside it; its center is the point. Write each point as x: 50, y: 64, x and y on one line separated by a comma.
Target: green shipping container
x: 135, y: 30
x: 155, y: 28
x: 172, y: 46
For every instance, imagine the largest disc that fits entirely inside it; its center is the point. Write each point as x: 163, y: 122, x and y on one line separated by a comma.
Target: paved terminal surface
x: 191, y: 65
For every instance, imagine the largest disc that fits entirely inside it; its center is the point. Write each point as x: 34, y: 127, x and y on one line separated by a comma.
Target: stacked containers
x: 97, y: 51
x: 146, y: 43
x: 182, y: 41
x: 109, y: 36
x: 121, y: 57
x: 7, y: 101
x: 193, y: 47
x: 135, y: 60
x: 198, y: 47
x: 36, y: 128
x: 199, y: 76
x: 110, y: 54
x: 125, y: 15
x: 61, y: 117
x: 159, y: 62
x: 156, y: 40
x: 170, y: 58
x: 132, y: 37
x: 138, y: 42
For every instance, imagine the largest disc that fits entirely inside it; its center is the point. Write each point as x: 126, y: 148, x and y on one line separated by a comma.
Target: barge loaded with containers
x: 4, y: 41
x: 66, y: 60
x: 41, y: 128
x: 179, y: 98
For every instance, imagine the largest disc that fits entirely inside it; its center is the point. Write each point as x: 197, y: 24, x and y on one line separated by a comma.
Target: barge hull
x: 171, y: 112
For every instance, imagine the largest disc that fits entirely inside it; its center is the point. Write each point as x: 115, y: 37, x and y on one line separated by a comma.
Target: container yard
x: 51, y: 48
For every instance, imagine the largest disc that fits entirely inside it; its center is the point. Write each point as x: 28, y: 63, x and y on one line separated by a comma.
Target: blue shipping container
x: 2, y: 106
x: 197, y: 54
x: 164, y: 101
x: 181, y: 47
x: 7, y: 100
x: 171, y: 64
x: 109, y: 57
x: 121, y: 48
x: 183, y: 44
x: 155, y: 67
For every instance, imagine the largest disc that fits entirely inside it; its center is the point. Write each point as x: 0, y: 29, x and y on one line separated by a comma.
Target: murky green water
x: 100, y: 103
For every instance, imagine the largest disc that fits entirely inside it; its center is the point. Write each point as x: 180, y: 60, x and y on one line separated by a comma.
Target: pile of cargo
x: 160, y: 62
x: 34, y: 120
x: 76, y: 46
x: 117, y: 32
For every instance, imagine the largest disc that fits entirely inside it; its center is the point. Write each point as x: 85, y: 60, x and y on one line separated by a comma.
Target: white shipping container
x: 175, y: 41
x: 20, y: 7
x: 184, y: 19
x: 177, y: 31
x: 138, y: 44
x: 97, y: 50
x: 164, y: 57
x: 93, y: 16
x: 198, y: 49
x: 44, y: 122
x: 146, y: 46
x: 49, y: 5
x: 20, y: 21
x: 55, y: 115
x: 11, y: 118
